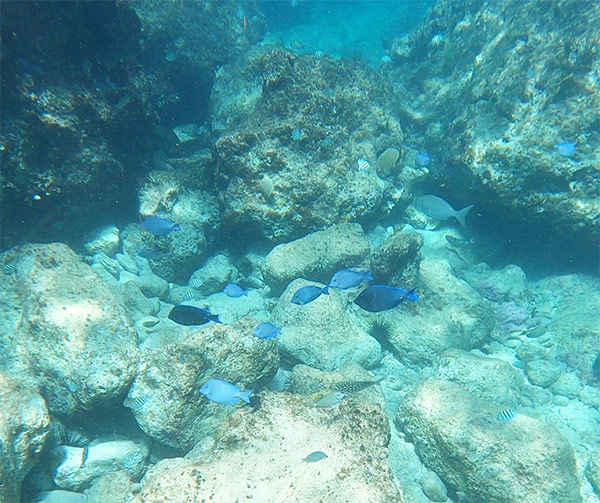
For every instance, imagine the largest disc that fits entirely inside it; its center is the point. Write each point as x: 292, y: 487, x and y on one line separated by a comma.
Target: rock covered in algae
x: 264, y: 449
x: 458, y: 436
x: 65, y: 331
x: 24, y: 427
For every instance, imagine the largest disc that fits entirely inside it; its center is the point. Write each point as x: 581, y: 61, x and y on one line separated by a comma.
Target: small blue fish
x: 566, y: 148
x: 363, y: 165
x: 423, y: 159
x: 235, y: 291
x: 347, y: 278
x: 219, y: 391
x: 314, y: 456
x: 159, y: 226
x: 506, y: 415
x: 379, y: 298
x: 307, y: 294
x: 266, y: 330
x: 296, y: 134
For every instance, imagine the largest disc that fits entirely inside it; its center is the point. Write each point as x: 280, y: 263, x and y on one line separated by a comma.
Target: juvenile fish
x: 267, y: 330
x: 223, y: 392
x: 347, y: 278
x: 191, y: 315
x: 134, y: 403
x: 566, y: 148
x: 379, y: 298
x: 159, y: 226
x: 234, y: 291
x: 314, y: 457
x: 330, y: 399
x: 438, y: 208
x: 9, y: 267
x: 84, y: 455
x: 307, y: 294
x: 423, y: 159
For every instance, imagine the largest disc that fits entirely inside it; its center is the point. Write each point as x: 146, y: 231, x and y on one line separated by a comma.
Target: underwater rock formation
x: 396, y: 261
x: 165, y: 394
x: 458, y: 436
x: 316, y: 256
x: 296, y: 120
x: 321, y: 334
x: 495, y: 92
x: 24, y: 426
x: 65, y: 331
x: 256, y: 455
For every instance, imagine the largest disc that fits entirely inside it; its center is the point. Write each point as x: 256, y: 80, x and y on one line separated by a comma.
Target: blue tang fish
x: 566, y: 148
x: 234, y: 291
x: 438, y: 208
x: 423, y: 159
x: 159, y: 226
x: 219, y: 391
x: 191, y: 315
x: 379, y: 298
x: 347, y: 278
x: 307, y: 294
x: 266, y: 330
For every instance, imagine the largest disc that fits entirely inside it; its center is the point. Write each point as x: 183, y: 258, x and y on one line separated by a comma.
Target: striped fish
x: 9, y: 267
x: 326, y: 142
x: 363, y: 165
x: 134, y: 403
x: 506, y: 415
x: 189, y: 295
x: 196, y: 283
x: 296, y: 134
x: 84, y: 455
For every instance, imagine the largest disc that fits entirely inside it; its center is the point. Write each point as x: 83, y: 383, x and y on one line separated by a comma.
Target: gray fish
x: 84, y: 455
x: 353, y: 386
x: 314, y: 456
x: 330, y: 399
x: 152, y: 253
x: 438, y: 208
x: 134, y: 403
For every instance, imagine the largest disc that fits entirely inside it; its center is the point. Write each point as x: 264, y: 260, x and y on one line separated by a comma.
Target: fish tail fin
x: 411, y: 294
x: 245, y: 395
x: 215, y: 318
x: 368, y: 276
x: 461, y: 215
x: 176, y: 227
x: 325, y: 290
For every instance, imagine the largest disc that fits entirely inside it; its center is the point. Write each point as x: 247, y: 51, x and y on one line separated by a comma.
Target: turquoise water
x: 300, y: 251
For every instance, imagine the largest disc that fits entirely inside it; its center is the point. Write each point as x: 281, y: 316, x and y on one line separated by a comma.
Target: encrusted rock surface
x: 24, y: 426
x: 458, y: 436
x: 169, y: 379
x: 258, y: 454
x: 64, y: 331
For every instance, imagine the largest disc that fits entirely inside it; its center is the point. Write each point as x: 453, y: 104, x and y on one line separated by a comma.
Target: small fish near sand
x: 379, y: 298
x: 267, y: 330
x: 191, y: 315
x: 438, y: 208
x: 159, y: 226
x: 506, y: 415
x: 347, y: 278
x: 307, y: 294
x: 223, y: 392
x: 235, y: 291
x: 330, y: 399
x: 313, y: 457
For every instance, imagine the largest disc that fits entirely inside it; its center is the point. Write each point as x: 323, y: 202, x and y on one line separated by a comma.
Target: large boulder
x: 24, y: 427
x: 321, y: 334
x: 165, y: 395
x: 316, y: 256
x: 257, y: 456
x: 64, y: 331
x: 458, y: 436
